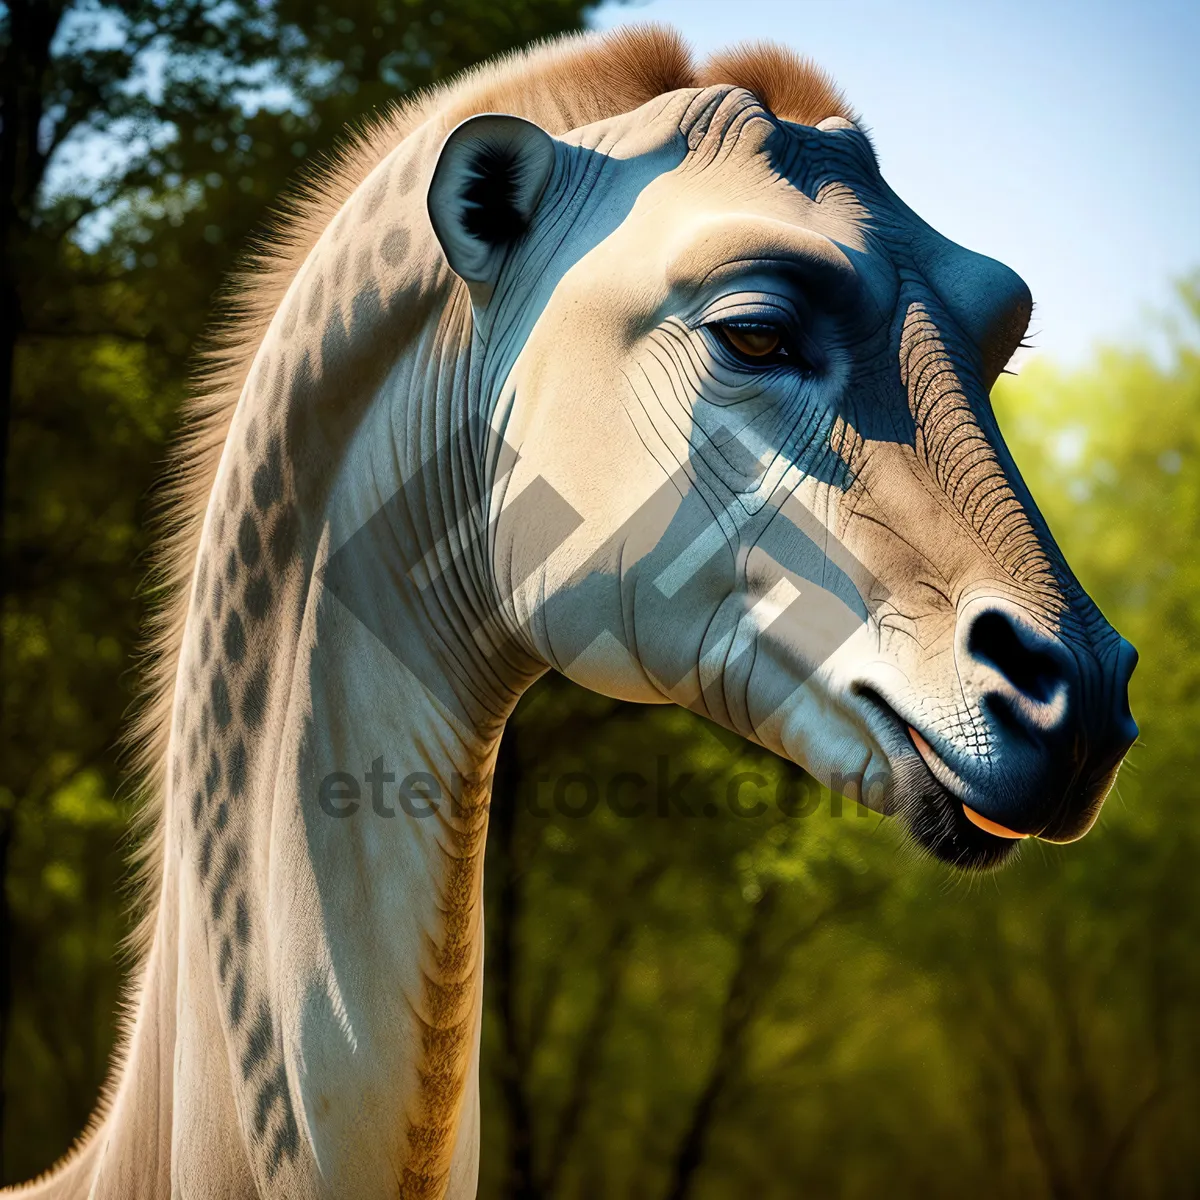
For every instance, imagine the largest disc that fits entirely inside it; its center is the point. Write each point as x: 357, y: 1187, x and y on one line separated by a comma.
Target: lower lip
x: 976, y: 819
x: 1000, y: 831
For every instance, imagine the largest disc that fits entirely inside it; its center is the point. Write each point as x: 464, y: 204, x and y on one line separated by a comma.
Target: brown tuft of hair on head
x: 791, y: 86
x: 644, y: 61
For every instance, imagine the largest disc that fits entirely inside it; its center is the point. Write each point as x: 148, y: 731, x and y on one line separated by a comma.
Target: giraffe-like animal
x: 594, y: 360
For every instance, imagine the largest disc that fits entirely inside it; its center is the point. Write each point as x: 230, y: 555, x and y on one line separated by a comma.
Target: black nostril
x: 1017, y: 653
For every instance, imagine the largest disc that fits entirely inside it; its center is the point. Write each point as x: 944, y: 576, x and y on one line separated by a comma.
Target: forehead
x: 720, y: 150
x: 726, y: 137
x: 711, y: 181
x: 766, y: 175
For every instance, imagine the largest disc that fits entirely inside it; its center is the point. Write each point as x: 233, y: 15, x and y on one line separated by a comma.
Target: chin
x: 934, y: 818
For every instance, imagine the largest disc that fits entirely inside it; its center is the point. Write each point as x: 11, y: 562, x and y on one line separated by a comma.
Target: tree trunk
x: 514, y: 1058
x: 740, y: 1003
x: 595, y: 1035
x: 32, y: 25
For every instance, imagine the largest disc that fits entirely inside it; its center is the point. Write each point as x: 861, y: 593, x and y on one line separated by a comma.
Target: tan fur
x: 561, y: 85
x: 791, y: 86
x: 451, y: 986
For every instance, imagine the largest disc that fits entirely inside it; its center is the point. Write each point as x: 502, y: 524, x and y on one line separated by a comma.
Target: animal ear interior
x: 486, y: 185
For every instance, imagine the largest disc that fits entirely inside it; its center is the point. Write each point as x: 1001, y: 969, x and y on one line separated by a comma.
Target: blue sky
x: 1059, y: 137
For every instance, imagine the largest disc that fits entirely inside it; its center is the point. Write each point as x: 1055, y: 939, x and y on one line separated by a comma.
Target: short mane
x: 562, y: 85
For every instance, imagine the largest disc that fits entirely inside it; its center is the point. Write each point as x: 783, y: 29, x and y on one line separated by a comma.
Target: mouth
x: 977, y: 819
x: 936, y: 817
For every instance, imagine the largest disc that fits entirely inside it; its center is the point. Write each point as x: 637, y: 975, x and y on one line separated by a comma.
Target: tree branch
x: 595, y: 1036
x: 513, y: 1066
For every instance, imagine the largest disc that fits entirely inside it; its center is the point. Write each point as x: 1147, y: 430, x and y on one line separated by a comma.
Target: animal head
x: 748, y: 462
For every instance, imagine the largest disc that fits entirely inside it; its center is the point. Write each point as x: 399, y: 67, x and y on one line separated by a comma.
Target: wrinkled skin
x: 825, y: 548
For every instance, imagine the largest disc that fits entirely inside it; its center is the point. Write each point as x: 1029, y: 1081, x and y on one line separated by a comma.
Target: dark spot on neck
x: 394, y: 245
x: 254, y: 699
x: 234, y: 638
x: 284, y: 534
x: 241, y: 920
x: 237, y: 1000
x: 222, y: 712
x: 237, y: 768
x: 233, y: 859
x: 258, y: 597
x: 258, y: 1043
x: 212, y: 777
x: 268, y: 477
x: 249, y: 544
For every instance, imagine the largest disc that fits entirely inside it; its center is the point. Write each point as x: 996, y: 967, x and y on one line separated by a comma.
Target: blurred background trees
x: 678, y: 1005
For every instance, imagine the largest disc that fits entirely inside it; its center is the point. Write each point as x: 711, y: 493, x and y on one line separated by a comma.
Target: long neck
x: 378, y: 808
x: 341, y: 693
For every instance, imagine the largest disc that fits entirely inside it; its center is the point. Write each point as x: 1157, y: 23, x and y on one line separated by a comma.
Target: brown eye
x: 754, y: 341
